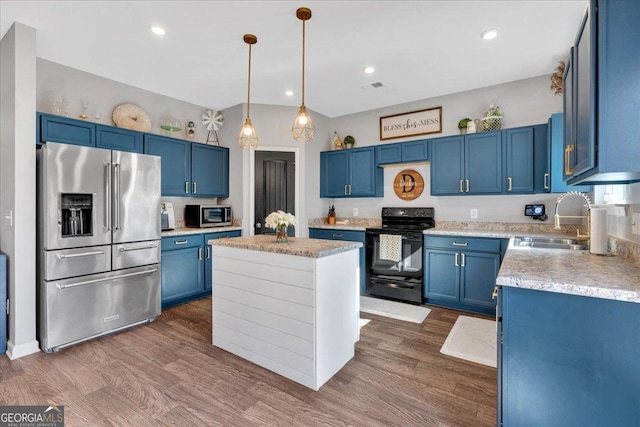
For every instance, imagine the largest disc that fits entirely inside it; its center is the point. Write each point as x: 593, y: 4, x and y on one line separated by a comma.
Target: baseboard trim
x: 17, y: 351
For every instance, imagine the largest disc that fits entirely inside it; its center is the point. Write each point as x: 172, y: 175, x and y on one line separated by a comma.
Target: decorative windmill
x: 213, y: 121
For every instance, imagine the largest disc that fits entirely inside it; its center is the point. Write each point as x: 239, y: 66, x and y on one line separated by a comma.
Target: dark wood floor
x: 168, y: 373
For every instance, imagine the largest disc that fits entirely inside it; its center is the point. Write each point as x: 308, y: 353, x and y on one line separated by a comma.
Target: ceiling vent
x: 374, y: 85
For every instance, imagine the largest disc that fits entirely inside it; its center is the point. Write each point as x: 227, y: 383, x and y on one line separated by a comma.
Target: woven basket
x: 491, y: 123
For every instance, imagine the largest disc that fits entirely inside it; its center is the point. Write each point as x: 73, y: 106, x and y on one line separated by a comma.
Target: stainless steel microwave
x: 207, y: 216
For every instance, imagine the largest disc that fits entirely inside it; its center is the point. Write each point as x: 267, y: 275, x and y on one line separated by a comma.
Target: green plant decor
x: 349, y: 141
x: 462, y: 124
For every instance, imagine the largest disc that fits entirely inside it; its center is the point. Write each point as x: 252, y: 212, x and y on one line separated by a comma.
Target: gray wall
x: 18, y: 183
x: 524, y: 102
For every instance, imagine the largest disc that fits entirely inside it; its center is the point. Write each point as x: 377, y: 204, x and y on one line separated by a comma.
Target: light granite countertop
x: 571, y: 272
x: 495, y: 234
x: 346, y: 227
x: 311, y: 248
x: 188, y: 230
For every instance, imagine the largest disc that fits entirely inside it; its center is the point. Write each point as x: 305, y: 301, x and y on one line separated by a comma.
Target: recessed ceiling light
x: 289, y: 93
x: 369, y: 70
x: 159, y: 31
x: 489, y: 34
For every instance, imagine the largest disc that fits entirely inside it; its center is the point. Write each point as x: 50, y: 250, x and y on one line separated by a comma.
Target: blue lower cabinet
x: 65, y: 130
x: 567, y: 360
x: 182, y: 269
x: 113, y: 138
x: 346, y: 235
x: 461, y: 272
x: 208, y: 250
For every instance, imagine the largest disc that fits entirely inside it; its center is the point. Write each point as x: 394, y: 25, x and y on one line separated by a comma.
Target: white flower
x: 274, y: 219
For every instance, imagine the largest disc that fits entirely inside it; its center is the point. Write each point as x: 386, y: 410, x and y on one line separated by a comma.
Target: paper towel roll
x: 598, y: 244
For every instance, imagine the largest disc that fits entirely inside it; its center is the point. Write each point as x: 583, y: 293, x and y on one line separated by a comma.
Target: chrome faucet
x: 556, y: 216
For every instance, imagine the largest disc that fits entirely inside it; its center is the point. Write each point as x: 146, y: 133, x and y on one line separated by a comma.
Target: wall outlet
x: 635, y: 223
x: 355, y: 211
x: 474, y: 213
x: 8, y: 218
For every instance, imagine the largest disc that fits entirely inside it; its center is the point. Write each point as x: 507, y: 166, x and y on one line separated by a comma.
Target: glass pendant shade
x: 247, y: 138
x: 303, y: 129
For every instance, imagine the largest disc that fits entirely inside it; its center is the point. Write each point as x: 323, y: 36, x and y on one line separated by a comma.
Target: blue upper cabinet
x: 569, y: 141
x: 403, y: 152
x: 334, y: 173
x: 447, y: 165
x: 65, y: 130
x: 604, y: 95
x: 389, y: 154
x: 350, y: 173
x: 415, y: 151
x: 470, y: 164
x: 483, y: 163
x: 114, y: 138
x: 176, y: 163
x: 519, y: 160
x: 549, y: 159
x: 365, y: 176
x: 209, y: 171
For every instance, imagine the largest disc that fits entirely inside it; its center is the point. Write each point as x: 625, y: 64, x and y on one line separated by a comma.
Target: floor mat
x: 393, y: 309
x: 472, y: 339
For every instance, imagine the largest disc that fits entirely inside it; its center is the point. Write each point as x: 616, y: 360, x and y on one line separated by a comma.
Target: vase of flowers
x: 280, y: 221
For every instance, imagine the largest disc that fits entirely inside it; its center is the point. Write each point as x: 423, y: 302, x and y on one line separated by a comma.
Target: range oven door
x: 400, y: 280
x: 410, y: 264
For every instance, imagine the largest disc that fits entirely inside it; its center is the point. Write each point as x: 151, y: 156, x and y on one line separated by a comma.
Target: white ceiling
x: 420, y: 49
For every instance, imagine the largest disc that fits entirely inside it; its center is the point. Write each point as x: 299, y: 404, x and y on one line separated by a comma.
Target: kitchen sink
x: 548, y: 243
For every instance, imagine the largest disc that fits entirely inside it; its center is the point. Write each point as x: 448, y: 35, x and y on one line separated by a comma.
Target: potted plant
x: 462, y: 125
x: 348, y: 141
x: 492, y: 119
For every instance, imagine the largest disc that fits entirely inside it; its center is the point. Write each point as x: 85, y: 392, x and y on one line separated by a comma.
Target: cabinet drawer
x: 180, y: 242
x: 463, y: 243
x: 347, y: 235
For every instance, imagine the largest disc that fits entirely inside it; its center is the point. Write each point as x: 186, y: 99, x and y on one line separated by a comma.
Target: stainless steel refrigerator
x: 98, y: 242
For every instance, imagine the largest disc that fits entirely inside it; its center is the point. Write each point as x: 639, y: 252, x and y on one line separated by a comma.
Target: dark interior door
x: 274, y: 187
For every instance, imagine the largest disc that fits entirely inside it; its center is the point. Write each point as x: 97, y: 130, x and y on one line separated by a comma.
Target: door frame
x: 252, y: 184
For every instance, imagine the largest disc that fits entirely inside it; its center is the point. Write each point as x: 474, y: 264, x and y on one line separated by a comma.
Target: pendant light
x: 303, y: 129
x: 248, y: 137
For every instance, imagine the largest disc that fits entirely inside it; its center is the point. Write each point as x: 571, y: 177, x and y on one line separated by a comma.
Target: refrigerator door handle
x: 116, y: 196
x: 105, y: 279
x: 107, y: 198
x: 136, y: 248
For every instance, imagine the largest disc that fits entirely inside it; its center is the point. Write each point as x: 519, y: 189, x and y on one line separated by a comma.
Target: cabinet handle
x: 467, y: 181
x: 199, y: 254
x: 181, y: 242
x: 464, y: 258
x: 494, y: 295
x: 455, y: 261
x: 509, y: 183
x: 195, y: 187
x: 567, y: 159
x: 461, y: 189
x: 546, y: 181
x: 346, y: 190
x: 208, y: 252
x: 460, y: 244
x: 349, y: 189
x: 186, y: 187
x: 338, y: 236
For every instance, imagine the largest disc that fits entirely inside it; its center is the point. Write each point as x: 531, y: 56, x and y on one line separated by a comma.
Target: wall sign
x: 408, y: 184
x: 421, y: 122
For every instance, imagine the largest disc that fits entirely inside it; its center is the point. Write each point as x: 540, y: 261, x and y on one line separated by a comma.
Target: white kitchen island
x: 292, y: 308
